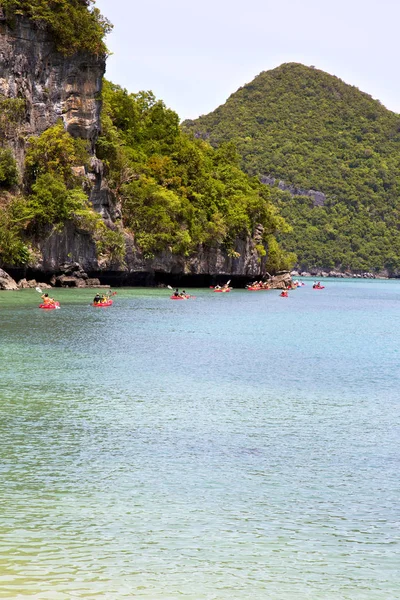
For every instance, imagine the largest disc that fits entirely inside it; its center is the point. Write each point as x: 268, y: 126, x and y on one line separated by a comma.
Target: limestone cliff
x: 55, y: 87
x: 71, y: 245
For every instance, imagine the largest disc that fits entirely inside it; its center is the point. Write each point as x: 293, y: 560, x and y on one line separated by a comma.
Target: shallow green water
x: 234, y: 446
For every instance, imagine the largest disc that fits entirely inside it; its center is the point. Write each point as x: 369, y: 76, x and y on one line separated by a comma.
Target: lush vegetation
x: 8, y: 169
x: 75, y: 24
x: 176, y: 192
x: 311, y: 130
x: 53, y: 194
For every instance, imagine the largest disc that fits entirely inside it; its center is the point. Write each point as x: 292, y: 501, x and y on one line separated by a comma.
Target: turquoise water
x: 233, y: 446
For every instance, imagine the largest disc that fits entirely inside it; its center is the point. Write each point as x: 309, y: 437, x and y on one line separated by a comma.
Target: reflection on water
x: 226, y: 447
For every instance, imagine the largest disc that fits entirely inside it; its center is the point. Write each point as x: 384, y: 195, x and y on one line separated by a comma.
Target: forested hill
x: 312, y: 131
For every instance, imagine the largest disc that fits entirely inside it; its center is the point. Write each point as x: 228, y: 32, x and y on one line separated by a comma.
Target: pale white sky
x: 194, y: 54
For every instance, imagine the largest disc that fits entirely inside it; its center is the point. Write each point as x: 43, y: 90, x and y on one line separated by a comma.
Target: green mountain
x: 310, y: 130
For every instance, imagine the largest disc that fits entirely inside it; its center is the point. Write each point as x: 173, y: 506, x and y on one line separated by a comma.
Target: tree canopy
x: 75, y: 24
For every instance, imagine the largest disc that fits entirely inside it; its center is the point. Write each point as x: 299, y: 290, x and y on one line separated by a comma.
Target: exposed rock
x: 7, y: 282
x: 68, y: 282
x: 101, y: 196
x: 280, y: 281
x: 243, y: 260
x: 23, y: 284
x: 70, y: 242
x: 68, y: 268
x: 217, y: 260
x: 74, y: 276
x: 318, y: 198
x: 94, y: 282
x: 54, y: 86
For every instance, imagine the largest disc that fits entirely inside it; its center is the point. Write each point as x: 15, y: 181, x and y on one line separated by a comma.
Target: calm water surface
x: 235, y: 446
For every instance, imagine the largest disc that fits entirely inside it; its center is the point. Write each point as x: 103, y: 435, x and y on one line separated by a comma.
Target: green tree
x: 8, y: 169
x: 75, y: 24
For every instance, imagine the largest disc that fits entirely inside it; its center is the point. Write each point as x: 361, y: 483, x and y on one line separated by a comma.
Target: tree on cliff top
x: 77, y: 26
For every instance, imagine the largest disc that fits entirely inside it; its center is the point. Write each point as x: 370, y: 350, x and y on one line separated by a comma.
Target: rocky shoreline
x: 74, y: 277
x: 338, y: 274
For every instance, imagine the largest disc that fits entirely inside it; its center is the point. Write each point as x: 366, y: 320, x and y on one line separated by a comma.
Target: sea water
x: 233, y: 446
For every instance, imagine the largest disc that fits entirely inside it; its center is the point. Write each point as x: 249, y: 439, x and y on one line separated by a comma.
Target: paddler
x: 97, y: 299
x: 47, y: 300
x: 176, y: 293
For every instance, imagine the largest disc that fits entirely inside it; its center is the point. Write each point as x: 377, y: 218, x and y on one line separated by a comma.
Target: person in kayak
x: 176, y: 293
x: 47, y: 300
x: 184, y: 294
x: 97, y: 299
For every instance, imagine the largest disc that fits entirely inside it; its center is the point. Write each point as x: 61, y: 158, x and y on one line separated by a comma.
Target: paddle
x: 39, y: 291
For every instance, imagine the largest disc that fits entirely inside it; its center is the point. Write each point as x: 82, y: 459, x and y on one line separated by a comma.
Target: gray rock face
x: 318, y: 198
x: 23, y: 284
x: 7, y: 282
x: 54, y: 86
x: 68, y: 246
x: 80, y: 249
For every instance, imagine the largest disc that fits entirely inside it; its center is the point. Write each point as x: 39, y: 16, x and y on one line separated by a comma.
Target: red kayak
x: 257, y: 289
x: 318, y: 287
x: 102, y: 304
x: 223, y: 291
x: 178, y: 298
x: 284, y: 295
x: 52, y: 306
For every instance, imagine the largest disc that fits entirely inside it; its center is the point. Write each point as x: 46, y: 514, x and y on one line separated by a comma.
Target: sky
x: 194, y: 53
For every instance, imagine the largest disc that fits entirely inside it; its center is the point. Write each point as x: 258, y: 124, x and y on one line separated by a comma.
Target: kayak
x: 320, y: 287
x: 102, y: 304
x: 178, y: 297
x: 257, y: 289
x: 284, y: 295
x: 50, y: 306
x: 223, y: 291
